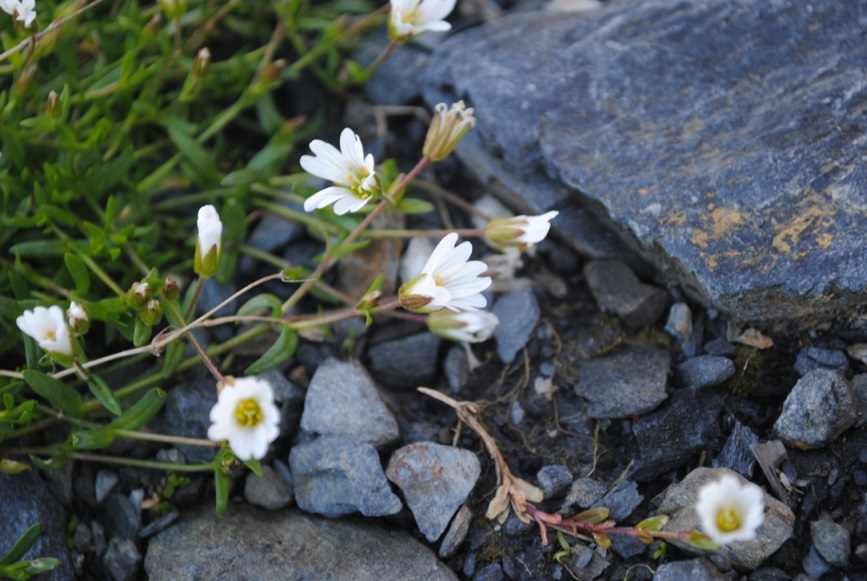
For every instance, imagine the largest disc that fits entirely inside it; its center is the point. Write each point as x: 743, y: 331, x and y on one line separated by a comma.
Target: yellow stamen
x: 438, y: 279
x: 50, y: 336
x: 728, y: 519
x: 248, y: 413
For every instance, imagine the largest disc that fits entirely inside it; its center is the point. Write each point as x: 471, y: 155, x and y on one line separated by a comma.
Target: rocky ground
x: 618, y: 377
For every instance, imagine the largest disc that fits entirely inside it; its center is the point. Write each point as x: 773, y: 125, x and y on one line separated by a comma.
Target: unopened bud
x: 78, y: 319
x: 209, y: 246
x: 25, y: 79
x: 52, y: 106
x: 272, y: 71
x: 197, y: 74
x: 138, y: 294
x: 519, y: 231
x: 171, y: 288
x: 152, y: 313
x: 152, y: 28
x: 447, y: 128
x: 174, y: 8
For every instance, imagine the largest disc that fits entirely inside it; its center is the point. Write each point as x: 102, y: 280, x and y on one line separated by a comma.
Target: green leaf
x: 80, y: 274
x: 234, y: 233
x: 141, y: 412
x: 195, y: 154
x: 42, y: 565
x: 280, y: 352
x: 60, y: 395
x: 94, y: 439
x: 102, y: 392
x: 172, y: 357
x: 22, y: 545
x: 222, y: 483
x: 12, y: 467
x: 701, y: 541
x: 414, y: 206
x: 654, y: 523
x: 56, y: 462
x: 592, y: 516
x: 111, y: 174
x: 259, y: 302
x: 39, y: 248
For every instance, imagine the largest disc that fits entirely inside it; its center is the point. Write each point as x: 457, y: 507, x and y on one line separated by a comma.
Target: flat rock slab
x: 251, y: 543
x: 722, y: 139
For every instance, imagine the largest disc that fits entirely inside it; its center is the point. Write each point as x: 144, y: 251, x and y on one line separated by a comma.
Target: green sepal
x: 95, y: 439
x: 172, y: 357
x: 277, y: 354
x: 60, y: 395
x: 414, y: 206
x: 255, y: 466
x: 141, y: 333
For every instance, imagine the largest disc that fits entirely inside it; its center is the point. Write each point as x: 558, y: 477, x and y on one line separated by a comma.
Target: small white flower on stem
x: 78, y: 319
x: 49, y: 328
x: 24, y: 11
x: 209, y: 242
x: 730, y: 510
x: 448, y: 280
x: 353, y: 174
x: 409, y: 18
x: 469, y: 327
x: 519, y: 231
x: 246, y: 416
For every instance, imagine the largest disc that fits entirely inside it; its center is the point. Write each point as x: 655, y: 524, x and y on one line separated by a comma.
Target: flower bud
x: 417, y: 293
x: 174, y: 8
x: 519, y: 231
x: 209, y: 242
x: 447, y: 128
x: 152, y: 28
x: 468, y: 327
x: 138, y: 294
x: 78, y: 318
x: 171, y: 288
x: 152, y: 313
x: 25, y: 79
x: 197, y: 74
x: 52, y: 106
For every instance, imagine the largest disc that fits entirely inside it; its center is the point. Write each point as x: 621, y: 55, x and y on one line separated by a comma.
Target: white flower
x: 22, y: 10
x: 410, y: 18
x: 209, y: 242
x: 246, y: 416
x: 48, y: 328
x: 730, y: 510
x: 469, y: 327
x: 447, y: 128
x: 353, y: 174
x: 519, y: 231
x: 447, y: 280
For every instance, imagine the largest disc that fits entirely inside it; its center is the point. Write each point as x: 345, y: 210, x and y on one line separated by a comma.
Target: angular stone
x: 584, y: 493
x: 832, y: 541
x: 694, y: 570
x: 251, y: 543
x: 617, y: 290
x: 820, y: 407
x: 122, y: 559
x: 629, y: 383
x: 457, y: 533
x: 342, y: 399
x: 338, y: 475
x: 810, y: 358
x: 435, y: 481
x: 268, y: 491
x: 518, y: 312
x: 704, y: 371
x: 405, y: 363
x: 554, y: 479
x: 678, y: 502
x: 736, y: 454
x: 729, y: 164
x: 684, y: 423
x: 622, y: 500
x: 187, y: 412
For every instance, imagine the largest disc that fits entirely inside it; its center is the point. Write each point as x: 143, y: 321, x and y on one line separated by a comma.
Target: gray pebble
x: 456, y: 532
x: 811, y: 358
x: 269, y: 491
x: 694, y: 570
x: 818, y: 409
x: 105, y: 482
x: 704, y: 371
x: 616, y: 289
x: 518, y: 312
x: 122, y: 559
x: 554, y: 480
x: 405, y: 363
x: 832, y: 541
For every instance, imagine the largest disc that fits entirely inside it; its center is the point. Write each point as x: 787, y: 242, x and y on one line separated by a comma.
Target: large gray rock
x: 719, y: 138
x: 343, y: 400
x: 25, y: 501
x: 629, y: 383
x: 251, y: 543
x: 678, y: 502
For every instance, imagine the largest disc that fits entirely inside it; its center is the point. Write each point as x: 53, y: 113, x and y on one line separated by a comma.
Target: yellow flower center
x: 50, y: 335
x: 728, y: 519
x: 248, y: 413
x: 438, y: 279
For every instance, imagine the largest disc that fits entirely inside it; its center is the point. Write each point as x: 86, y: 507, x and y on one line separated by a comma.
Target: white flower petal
x: 247, y: 441
x: 48, y: 327
x: 326, y: 197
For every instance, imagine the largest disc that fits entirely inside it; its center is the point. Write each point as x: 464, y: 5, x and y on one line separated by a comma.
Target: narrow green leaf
x: 414, y: 206
x: 22, y: 545
x: 194, y: 153
x: 41, y: 565
x: 39, y: 248
x: 56, y: 462
x: 701, y: 540
x: 80, y: 274
x: 280, y: 352
x: 12, y: 467
x: 255, y: 466
x: 141, y: 333
x: 172, y: 357
x: 94, y: 439
x: 221, y: 487
x: 102, y: 392
x: 259, y: 302
x: 592, y: 516
x: 141, y: 412
x: 60, y: 395
x: 653, y: 523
